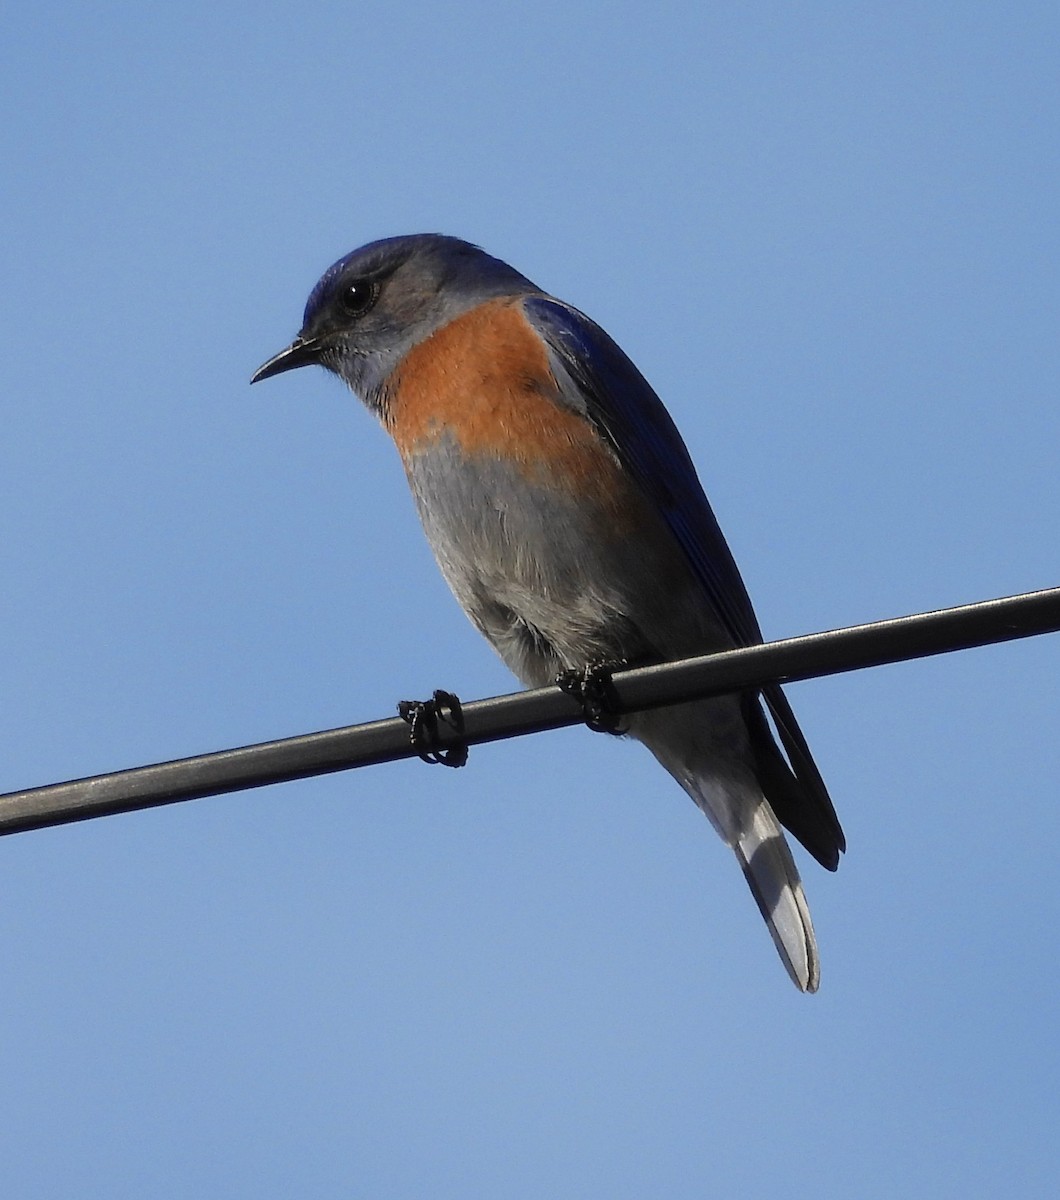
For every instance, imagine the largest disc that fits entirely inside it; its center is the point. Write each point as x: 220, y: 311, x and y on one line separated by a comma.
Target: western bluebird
x: 566, y: 515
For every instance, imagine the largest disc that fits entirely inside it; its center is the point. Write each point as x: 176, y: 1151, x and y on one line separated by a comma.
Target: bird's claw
x: 591, y: 686
x: 423, y: 717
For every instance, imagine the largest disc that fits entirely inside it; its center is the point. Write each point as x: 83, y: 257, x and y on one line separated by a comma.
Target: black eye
x: 358, y: 297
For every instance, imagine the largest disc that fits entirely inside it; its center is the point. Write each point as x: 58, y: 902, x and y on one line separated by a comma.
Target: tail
x: 743, y: 817
x: 729, y: 793
x: 762, y: 851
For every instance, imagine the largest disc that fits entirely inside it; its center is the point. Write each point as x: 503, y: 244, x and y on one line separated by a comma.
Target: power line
x: 807, y: 657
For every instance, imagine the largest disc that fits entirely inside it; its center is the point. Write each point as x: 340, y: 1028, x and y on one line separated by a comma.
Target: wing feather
x: 597, y: 379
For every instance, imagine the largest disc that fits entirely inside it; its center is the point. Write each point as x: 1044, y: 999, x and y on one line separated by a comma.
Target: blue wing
x: 600, y: 381
x: 622, y: 405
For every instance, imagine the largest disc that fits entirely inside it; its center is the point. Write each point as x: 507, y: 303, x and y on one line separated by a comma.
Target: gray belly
x: 545, y: 576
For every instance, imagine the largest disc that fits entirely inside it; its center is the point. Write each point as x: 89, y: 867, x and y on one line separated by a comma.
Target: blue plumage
x: 566, y: 514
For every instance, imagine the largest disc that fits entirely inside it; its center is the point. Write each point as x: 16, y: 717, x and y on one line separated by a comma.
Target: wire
x: 807, y: 657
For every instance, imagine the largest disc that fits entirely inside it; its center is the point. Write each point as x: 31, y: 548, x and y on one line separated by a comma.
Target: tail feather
x: 773, y: 878
x: 695, y: 744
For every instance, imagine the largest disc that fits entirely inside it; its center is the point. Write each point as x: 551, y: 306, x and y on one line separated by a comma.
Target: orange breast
x: 484, y: 380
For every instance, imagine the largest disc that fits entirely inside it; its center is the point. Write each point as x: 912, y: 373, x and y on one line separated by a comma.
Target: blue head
x: 371, y: 307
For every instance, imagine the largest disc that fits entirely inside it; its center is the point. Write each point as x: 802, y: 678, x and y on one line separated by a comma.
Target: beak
x: 302, y: 352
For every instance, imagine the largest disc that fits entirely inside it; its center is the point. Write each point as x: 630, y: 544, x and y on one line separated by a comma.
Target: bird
x: 566, y: 515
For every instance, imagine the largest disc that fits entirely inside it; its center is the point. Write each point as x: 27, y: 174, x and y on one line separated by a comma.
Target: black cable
x: 490, y: 720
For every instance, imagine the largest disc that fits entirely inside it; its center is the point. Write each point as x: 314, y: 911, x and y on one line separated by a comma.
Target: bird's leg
x: 591, y: 686
x: 423, y: 717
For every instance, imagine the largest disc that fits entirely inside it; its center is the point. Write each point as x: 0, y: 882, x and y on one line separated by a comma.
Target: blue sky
x: 827, y: 233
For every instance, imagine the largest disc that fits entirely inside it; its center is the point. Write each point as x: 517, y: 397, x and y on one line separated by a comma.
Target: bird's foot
x: 423, y: 717
x: 591, y: 686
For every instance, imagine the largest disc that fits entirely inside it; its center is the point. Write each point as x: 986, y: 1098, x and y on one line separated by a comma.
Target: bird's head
x: 372, y: 306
